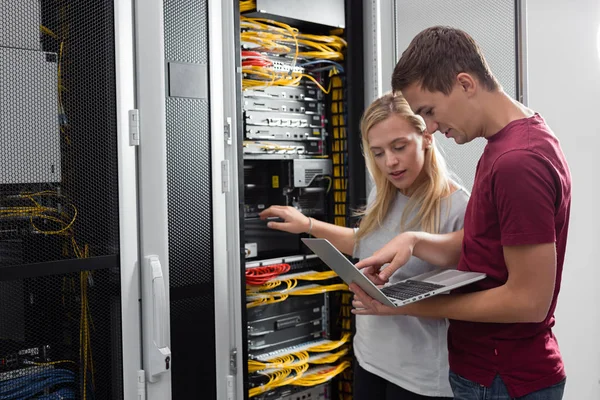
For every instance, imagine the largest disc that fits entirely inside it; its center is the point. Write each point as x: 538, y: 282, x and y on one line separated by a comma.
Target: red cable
x: 252, y: 53
x: 259, y: 63
x: 255, y: 58
x: 261, y: 275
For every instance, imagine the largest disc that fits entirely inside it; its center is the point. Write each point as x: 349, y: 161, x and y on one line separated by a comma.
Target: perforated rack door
x: 492, y: 23
x: 191, y: 277
x: 60, y: 297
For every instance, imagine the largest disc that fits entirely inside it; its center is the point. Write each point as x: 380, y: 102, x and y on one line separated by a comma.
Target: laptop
x: 400, y: 293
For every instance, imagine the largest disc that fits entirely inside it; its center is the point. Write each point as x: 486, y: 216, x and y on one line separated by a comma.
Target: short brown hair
x: 436, y: 55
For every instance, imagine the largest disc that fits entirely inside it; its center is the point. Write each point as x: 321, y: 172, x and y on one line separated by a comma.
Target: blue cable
x: 26, y: 387
x: 62, y: 394
x: 339, y: 67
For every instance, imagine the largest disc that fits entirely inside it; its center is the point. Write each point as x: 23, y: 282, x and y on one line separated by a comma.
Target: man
x: 500, y: 338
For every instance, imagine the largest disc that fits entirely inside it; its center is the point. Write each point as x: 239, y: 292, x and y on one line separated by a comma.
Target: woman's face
x: 399, y: 151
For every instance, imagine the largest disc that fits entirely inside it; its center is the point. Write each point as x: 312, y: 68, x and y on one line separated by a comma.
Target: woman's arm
x: 296, y: 222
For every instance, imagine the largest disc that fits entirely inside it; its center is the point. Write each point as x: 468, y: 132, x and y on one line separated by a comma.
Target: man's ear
x: 467, y: 83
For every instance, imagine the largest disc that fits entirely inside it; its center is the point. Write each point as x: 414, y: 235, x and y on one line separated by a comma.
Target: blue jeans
x: 465, y: 389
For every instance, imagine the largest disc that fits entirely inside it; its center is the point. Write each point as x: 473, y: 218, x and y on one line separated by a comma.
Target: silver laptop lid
x: 345, y: 269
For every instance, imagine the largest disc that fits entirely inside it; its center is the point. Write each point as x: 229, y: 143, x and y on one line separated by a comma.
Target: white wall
x: 564, y: 86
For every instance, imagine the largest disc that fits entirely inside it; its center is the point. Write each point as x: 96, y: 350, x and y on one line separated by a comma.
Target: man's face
x: 450, y: 114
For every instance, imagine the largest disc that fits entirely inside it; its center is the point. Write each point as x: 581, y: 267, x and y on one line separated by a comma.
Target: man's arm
x: 525, y: 297
x: 442, y: 250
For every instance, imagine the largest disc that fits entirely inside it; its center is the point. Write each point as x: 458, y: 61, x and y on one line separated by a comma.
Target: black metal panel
x: 59, y: 211
x: 193, y: 344
x: 355, y: 91
x: 191, y: 276
x: 186, y: 31
x: 188, y: 184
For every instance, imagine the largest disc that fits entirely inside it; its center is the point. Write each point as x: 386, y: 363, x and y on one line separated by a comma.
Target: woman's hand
x: 293, y: 220
x: 363, y: 304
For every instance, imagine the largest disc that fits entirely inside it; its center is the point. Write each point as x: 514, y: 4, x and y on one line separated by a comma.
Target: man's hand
x: 397, y: 252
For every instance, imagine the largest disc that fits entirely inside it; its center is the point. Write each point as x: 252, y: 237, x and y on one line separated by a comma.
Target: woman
x: 398, y: 357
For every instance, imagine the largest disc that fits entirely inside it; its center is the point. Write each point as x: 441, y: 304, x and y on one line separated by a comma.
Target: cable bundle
x: 255, y: 58
x: 320, y: 375
x: 259, y: 299
x: 263, y: 298
x: 280, y: 377
x: 308, y: 276
x: 317, y: 276
x: 285, y: 361
x: 261, y: 275
x: 318, y: 289
x: 299, y: 375
x: 273, y: 49
x: 332, y: 345
x: 247, y: 5
x: 277, y: 37
x: 330, y: 358
x: 295, y: 360
x: 26, y: 387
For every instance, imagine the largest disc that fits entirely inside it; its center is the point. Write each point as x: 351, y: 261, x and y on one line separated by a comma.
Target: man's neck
x: 499, y: 110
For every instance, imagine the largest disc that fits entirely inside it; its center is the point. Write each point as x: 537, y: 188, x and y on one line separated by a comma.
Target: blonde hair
x: 427, y: 197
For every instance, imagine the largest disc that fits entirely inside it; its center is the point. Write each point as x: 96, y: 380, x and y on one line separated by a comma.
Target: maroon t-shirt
x: 521, y: 196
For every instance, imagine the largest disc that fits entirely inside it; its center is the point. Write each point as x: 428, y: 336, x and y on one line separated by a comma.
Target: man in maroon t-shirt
x: 500, y: 339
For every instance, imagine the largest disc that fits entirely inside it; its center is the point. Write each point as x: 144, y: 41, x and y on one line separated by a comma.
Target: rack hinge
x: 134, y: 127
x: 225, y: 176
x: 230, y: 387
x: 141, y: 385
x: 227, y: 131
x: 233, y: 361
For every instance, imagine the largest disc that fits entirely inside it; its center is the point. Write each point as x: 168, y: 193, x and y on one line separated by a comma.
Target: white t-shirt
x: 409, y: 352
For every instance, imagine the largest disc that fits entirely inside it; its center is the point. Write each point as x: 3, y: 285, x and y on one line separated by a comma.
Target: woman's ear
x: 427, y: 140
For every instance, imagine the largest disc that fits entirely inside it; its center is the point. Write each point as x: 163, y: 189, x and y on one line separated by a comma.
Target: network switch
x: 285, y: 92
x: 280, y: 322
x: 291, y: 120
x: 283, y: 106
x: 284, y: 133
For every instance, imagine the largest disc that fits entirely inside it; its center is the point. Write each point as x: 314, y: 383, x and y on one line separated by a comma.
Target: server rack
x: 298, y: 145
x: 61, y: 330
x: 204, y: 235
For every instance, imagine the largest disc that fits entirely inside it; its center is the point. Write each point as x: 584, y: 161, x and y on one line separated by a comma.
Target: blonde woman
x: 399, y: 357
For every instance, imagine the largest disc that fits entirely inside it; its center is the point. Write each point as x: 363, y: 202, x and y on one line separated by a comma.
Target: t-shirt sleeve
x: 524, y: 188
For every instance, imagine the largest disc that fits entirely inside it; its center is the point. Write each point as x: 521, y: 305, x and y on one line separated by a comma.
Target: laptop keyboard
x: 407, y: 289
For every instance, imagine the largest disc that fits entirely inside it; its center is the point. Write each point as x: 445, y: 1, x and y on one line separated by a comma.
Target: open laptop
x: 400, y: 293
